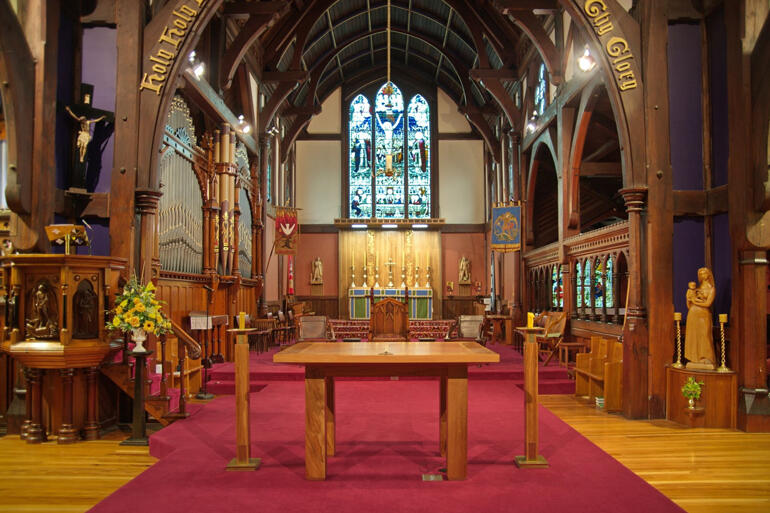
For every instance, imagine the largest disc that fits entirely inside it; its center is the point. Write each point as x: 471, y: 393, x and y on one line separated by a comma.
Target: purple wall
x: 717, y: 41
x: 684, y: 79
x: 689, y: 244
x: 100, y: 69
x: 722, y: 251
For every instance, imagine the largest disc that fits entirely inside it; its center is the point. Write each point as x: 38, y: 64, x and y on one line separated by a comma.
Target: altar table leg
x: 442, y: 418
x: 330, y: 417
x: 315, y: 425
x: 457, y: 416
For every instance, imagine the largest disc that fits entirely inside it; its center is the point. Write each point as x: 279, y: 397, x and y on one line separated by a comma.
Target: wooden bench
x: 600, y: 373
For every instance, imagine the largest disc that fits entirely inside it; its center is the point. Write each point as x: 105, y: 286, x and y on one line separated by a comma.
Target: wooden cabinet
x: 718, y: 403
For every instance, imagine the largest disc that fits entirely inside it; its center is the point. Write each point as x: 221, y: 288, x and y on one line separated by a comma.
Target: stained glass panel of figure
x: 587, y: 283
x: 554, y: 288
x: 360, y: 152
x: 540, y: 90
x: 579, y: 283
x: 561, y: 286
x: 609, y: 286
x: 389, y: 143
x: 599, y: 285
x: 418, y: 157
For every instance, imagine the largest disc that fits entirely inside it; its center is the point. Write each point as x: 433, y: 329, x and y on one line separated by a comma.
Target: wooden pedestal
x: 718, y: 403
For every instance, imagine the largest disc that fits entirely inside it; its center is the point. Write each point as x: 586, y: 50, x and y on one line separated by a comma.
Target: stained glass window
x: 579, y: 283
x: 599, y: 285
x: 609, y: 285
x: 587, y: 284
x: 389, y: 156
x: 360, y: 165
x: 541, y: 89
x: 418, y: 160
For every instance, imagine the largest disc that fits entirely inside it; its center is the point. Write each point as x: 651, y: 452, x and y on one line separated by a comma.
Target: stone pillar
x: 635, y: 338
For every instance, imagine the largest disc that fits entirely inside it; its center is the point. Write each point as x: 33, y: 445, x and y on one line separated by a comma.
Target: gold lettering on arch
x: 616, y: 47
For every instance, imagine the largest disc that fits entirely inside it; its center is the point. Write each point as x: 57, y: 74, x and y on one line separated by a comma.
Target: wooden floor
x: 702, y: 470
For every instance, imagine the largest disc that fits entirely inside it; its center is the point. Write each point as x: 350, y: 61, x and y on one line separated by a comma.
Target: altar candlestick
x: 530, y: 320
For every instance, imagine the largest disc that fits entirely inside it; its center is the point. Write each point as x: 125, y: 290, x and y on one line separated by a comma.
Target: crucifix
x: 86, y: 116
x: 390, y: 263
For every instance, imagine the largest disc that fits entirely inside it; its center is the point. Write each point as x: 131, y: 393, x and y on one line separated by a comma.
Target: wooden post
x: 139, y: 423
x: 91, y: 430
x: 35, y: 431
x: 66, y: 430
x: 243, y: 459
x: 531, y: 458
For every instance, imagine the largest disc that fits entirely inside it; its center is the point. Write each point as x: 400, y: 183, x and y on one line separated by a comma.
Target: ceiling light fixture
x: 586, y: 61
x: 243, y: 126
x: 198, y: 68
x: 532, y: 123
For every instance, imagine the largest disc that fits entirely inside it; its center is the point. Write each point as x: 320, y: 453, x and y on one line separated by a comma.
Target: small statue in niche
x: 85, y: 305
x: 465, y: 272
x: 698, y: 341
x: 42, y: 324
x: 317, y: 272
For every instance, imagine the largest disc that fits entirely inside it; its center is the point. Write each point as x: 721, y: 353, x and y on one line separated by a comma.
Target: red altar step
x: 552, y: 379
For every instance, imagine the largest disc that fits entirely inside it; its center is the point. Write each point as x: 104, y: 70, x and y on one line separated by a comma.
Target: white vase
x: 139, y: 336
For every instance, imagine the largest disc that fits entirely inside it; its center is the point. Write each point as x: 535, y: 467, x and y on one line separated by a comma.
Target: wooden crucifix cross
x: 85, y: 116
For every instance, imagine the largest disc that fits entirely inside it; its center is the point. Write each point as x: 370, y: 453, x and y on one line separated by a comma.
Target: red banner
x: 286, y: 231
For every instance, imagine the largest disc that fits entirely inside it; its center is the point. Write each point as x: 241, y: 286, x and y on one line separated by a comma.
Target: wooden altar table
x: 324, y: 361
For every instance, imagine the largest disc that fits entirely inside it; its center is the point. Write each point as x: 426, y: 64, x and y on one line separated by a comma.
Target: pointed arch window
x: 389, y: 171
x: 541, y: 97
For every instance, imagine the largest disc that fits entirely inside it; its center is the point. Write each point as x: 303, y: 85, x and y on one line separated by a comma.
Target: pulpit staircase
x: 164, y: 403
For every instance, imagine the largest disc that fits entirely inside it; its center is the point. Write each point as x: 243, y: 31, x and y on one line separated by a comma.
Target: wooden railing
x: 186, y: 345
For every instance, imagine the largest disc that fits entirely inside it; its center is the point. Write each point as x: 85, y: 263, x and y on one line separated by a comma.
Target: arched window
x: 579, y: 283
x: 389, y: 156
x: 587, y: 284
x: 541, y: 97
x: 609, y: 284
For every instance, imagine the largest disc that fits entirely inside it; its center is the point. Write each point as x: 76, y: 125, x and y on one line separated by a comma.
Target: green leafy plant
x: 692, y: 388
x: 136, y: 307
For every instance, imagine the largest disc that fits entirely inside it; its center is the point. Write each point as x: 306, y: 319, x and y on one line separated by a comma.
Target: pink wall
x: 471, y: 245
x: 311, y: 245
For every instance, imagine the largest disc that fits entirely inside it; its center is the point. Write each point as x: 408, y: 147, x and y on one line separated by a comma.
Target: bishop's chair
x: 389, y: 321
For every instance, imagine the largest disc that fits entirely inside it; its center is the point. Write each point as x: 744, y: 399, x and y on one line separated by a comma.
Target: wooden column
x: 35, y: 431
x: 236, y: 220
x: 518, y: 275
x: 531, y: 456
x: 659, y: 240
x: 24, y: 430
x: 147, y: 208
x: 243, y: 459
x: 457, y: 422
x: 66, y: 430
x: 635, y: 338
x: 139, y: 422
x: 130, y: 15
x: 748, y: 349
x: 91, y: 430
x: 261, y: 254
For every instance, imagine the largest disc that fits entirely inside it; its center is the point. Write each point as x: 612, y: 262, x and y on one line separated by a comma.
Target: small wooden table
x: 326, y: 360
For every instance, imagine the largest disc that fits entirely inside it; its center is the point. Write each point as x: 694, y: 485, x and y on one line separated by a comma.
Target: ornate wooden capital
x: 147, y: 201
x: 635, y: 198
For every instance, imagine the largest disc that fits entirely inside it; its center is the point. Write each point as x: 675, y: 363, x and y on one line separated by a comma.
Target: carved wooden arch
x: 534, y: 165
x: 627, y: 106
x: 153, y: 108
x: 17, y: 69
x: 532, y: 27
x: 588, y: 100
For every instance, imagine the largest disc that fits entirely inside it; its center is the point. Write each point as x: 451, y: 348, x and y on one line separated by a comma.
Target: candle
x: 723, y: 318
x: 242, y: 320
x: 677, y: 316
x: 530, y: 320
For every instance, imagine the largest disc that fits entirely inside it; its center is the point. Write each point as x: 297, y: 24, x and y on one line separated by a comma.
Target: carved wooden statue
x: 465, y: 272
x: 42, y: 324
x: 698, y: 342
x: 317, y: 272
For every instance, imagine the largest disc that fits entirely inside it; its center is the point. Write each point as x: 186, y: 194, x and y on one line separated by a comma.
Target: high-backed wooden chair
x: 389, y: 320
x: 553, y: 336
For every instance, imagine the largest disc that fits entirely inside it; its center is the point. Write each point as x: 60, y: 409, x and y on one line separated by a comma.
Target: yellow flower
x: 134, y: 321
x: 119, y: 310
x: 124, y: 303
x: 137, y: 300
x: 116, y: 321
x: 153, y: 302
x: 148, y: 326
x: 140, y: 307
x: 150, y: 287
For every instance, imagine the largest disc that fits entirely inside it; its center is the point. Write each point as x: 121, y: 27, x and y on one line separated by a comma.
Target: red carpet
x: 552, y: 379
x: 387, y: 437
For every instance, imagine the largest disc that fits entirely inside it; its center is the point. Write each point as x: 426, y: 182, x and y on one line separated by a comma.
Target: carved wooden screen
x: 245, y: 220
x: 180, y: 208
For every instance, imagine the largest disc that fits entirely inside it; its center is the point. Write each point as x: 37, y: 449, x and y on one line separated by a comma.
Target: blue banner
x: 506, y: 228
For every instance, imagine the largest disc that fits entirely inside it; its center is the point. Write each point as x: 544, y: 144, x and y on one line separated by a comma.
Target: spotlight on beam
x: 586, y: 61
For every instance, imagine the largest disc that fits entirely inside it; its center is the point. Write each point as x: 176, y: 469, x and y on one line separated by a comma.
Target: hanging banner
x: 286, y: 231
x: 506, y: 228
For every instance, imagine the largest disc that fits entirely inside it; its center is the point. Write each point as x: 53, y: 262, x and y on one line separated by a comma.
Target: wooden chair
x: 389, y: 320
x: 262, y: 340
x: 600, y: 373
x: 553, y: 336
x: 314, y: 328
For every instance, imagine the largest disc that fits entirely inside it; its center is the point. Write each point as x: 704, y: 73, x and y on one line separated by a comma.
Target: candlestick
x: 403, y: 277
x: 722, y: 321
x: 427, y: 277
x: 678, y: 363
x: 352, y: 276
x: 530, y: 320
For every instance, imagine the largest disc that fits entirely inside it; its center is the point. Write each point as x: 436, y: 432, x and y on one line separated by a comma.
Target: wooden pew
x: 600, y: 373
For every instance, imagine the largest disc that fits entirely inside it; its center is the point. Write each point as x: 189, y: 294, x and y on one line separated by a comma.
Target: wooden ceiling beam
x: 601, y: 169
x: 531, y: 26
x: 602, y: 151
x: 476, y: 118
x: 508, y: 75
x: 254, y: 8
x: 285, y: 76
x: 516, y: 6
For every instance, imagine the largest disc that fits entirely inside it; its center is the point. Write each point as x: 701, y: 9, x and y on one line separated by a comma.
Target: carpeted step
x: 228, y: 387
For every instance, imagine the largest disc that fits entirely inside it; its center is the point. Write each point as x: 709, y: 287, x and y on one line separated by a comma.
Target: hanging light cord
x: 388, y: 32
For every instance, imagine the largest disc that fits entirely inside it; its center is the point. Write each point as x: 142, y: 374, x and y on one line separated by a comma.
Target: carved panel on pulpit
x: 42, y: 311
x: 85, y: 306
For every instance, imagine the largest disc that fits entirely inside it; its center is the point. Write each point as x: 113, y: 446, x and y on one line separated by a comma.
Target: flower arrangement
x: 692, y: 389
x: 137, y: 308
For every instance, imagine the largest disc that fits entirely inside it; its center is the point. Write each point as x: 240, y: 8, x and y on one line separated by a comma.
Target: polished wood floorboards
x: 702, y: 470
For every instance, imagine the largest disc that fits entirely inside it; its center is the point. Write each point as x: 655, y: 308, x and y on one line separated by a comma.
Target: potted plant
x: 136, y: 310
x: 692, y: 390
